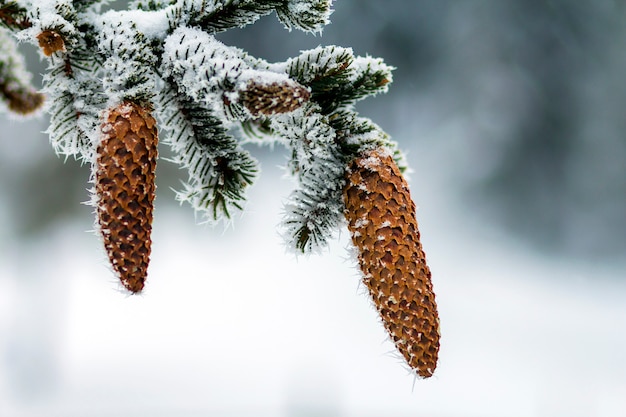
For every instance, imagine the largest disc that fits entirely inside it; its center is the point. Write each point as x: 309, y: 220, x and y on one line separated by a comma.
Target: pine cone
x: 126, y: 162
x: 381, y: 217
x: 274, y: 98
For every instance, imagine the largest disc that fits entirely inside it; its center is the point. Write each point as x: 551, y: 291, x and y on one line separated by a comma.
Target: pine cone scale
x: 381, y: 218
x: 125, y: 189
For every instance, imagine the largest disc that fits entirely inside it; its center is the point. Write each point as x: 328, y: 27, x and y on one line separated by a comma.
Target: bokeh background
x: 512, y: 116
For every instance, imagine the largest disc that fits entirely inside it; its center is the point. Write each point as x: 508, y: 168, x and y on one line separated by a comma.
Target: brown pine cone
x: 381, y: 219
x: 274, y: 98
x: 124, y: 179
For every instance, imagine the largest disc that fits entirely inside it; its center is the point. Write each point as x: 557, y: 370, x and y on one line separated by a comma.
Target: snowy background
x: 512, y: 117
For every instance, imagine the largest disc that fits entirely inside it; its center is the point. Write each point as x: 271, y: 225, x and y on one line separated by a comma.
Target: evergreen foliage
x: 162, y: 55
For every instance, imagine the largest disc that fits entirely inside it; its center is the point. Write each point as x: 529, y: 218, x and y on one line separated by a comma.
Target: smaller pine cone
x: 381, y: 219
x: 125, y: 188
x: 274, y: 98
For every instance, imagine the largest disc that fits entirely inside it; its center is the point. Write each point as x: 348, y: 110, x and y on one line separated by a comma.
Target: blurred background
x: 512, y: 116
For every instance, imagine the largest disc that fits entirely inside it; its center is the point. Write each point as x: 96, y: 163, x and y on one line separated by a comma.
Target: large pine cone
x: 381, y: 219
x: 126, y: 162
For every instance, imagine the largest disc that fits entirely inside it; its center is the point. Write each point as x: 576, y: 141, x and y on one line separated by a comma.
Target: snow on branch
x: 337, y: 78
x: 306, y: 15
x: 219, y: 169
x: 220, y: 15
x: 163, y: 56
x: 218, y: 76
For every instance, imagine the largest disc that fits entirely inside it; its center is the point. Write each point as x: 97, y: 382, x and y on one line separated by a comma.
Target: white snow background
x: 232, y: 325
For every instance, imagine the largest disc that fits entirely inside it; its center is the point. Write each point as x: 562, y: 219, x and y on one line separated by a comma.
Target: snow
x: 202, y: 66
x: 303, y: 15
x: 320, y: 59
x: 361, y: 222
x: 373, y: 162
x: 49, y: 14
x: 233, y: 326
x: 152, y: 24
x: 368, y: 64
x: 262, y: 78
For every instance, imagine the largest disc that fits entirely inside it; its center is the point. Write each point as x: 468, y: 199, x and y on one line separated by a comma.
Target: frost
x: 163, y: 55
x: 207, y: 70
x: 319, y: 61
x: 262, y: 78
x: 363, y: 187
x: 307, y: 15
x: 153, y: 25
x: 361, y: 222
x: 368, y: 64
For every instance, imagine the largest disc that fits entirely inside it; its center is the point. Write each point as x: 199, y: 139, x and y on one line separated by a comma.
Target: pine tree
x: 114, y: 76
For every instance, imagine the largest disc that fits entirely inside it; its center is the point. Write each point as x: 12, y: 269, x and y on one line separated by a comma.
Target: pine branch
x: 220, y: 15
x: 74, y: 108
x: 314, y: 210
x: 336, y: 78
x: 76, y: 99
x: 109, y: 72
x: 219, y: 170
x: 129, y: 63
x: 305, y: 15
x: 212, y: 73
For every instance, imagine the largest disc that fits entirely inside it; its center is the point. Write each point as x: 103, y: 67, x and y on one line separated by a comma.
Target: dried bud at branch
x: 51, y: 41
x: 126, y: 162
x: 381, y: 217
x: 268, y: 99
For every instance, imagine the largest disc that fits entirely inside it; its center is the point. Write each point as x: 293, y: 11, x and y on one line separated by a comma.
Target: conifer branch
x: 76, y: 97
x: 220, y: 15
x: 129, y: 61
x: 306, y: 15
x: 109, y: 72
x: 337, y: 78
x: 220, y: 170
